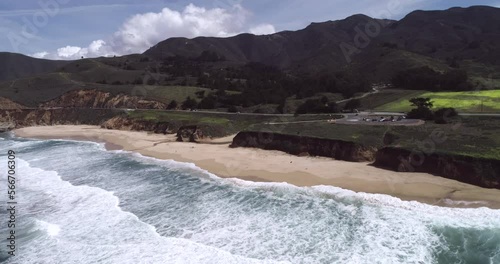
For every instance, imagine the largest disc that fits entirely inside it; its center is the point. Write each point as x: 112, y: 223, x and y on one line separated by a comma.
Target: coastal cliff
x: 47, y: 117
x: 125, y: 123
x: 105, y: 118
x: 99, y: 99
x: 475, y: 171
x: 7, y: 104
x: 298, y: 145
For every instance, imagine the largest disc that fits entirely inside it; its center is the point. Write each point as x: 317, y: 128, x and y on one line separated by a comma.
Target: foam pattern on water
x: 85, y: 225
x: 126, y: 206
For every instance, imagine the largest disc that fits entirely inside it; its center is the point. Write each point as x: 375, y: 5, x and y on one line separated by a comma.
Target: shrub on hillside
x: 209, y: 102
x: 189, y: 103
x: 352, y: 105
x: 444, y: 115
x: 421, y: 113
x: 425, y: 78
x: 172, y: 105
x: 232, y: 109
x: 315, y: 106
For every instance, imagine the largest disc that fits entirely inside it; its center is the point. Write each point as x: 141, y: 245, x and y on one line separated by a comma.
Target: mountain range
x: 457, y: 38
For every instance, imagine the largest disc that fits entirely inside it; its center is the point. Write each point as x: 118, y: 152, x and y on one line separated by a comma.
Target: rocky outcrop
x: 299, y: 145
x: 7, y: 104
x: 125, y: 123
x: 99, y: 99
x: 190, y: 134
x: 41, y: 117
x: 4, y: 127
x: 106, y: 118
x: 476, y: 171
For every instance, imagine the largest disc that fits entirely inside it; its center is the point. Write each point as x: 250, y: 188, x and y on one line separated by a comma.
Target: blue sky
x: 68, y: 29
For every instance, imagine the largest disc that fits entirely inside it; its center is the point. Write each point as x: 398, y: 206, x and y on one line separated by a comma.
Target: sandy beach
x: 274, y: 166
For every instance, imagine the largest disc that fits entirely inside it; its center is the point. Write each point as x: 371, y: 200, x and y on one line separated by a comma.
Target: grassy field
x: 166, y: 94
x: 384, y: 97
x: 220, y: 124
x: 291, y: 103
x: 480, y: 101
x: 471, y: 136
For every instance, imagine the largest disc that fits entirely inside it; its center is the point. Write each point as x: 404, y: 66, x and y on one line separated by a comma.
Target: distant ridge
x: 373, y: 50
x: 14, y: 66
x: 465, y: 33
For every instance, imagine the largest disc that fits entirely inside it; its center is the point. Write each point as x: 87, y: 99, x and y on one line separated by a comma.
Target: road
x: 375, y: 90
x: 275, y: 115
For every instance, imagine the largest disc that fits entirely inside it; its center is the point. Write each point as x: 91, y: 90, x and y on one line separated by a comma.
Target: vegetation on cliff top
x: 468, y: 136
x: 223, y: 124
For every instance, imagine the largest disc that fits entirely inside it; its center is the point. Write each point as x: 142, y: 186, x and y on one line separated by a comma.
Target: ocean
x: 79, y: 203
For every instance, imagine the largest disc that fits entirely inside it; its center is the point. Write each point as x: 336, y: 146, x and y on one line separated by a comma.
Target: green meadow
x: 474, y: 101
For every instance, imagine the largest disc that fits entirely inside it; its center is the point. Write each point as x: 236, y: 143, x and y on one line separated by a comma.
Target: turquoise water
x: 79, y: 203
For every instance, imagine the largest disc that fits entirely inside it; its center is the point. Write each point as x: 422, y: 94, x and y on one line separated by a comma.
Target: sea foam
x: 86, y: 225
x: 172, y: 212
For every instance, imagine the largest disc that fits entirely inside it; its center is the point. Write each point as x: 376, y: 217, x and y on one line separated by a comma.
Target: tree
x: 151, y: 81
x: 173, y: 105
x: 189, y: 103
x: 281, y: 107
x: 184, y: 82
x: 421, y: 102
x: 138, y: 81
x: 421, y: 113
x: 232, y: 109
x: 425, y: 78
x: 200, y: 94
x: 352, y: 104
x: 324, y: 100
x: 423, y: 110
x: 208, y: 102
x: 316, y: 107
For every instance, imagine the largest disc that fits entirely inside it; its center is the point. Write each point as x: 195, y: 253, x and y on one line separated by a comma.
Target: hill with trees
x: 450, y: 50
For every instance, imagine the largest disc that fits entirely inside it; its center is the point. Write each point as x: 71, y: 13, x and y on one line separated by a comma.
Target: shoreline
x: 274, y: 166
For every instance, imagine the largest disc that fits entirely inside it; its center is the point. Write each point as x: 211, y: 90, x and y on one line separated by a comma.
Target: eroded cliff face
x: 304, y: 146
x: 125, y: 123
x: 476, y: 171
x: 99, y: 99
x: 190, y: 134
x: 7, y: 104
x: 41, y: 117
x: 106, y: 118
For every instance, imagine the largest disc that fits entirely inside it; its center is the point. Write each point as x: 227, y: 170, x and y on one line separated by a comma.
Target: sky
x: 71, y: 29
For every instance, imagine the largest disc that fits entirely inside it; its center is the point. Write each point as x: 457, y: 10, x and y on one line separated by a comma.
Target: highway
x: 378, y: 113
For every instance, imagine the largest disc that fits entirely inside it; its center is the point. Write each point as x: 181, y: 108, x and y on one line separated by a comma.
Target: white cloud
x: 263, y: 29
x: 40, y: 55
x: 143, y: 31
x: 68, y: 51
